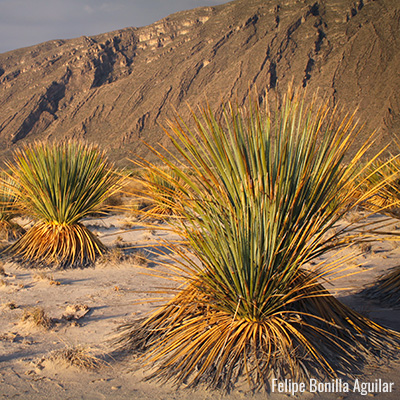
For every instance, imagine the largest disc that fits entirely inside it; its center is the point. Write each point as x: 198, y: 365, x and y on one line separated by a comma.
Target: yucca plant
x: 8, y: 209
x: 258, y: 206
x: 59, y: 185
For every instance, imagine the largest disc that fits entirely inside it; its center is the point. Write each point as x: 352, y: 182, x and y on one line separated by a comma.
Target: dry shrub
x: 139, y: 257
x: 37, y: 317
x: 79, y: 357
x: 113, y: 256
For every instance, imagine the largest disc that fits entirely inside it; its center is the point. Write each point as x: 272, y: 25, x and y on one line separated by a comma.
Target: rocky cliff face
x: 117, y: 88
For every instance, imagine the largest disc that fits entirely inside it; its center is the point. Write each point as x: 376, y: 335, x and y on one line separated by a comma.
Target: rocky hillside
x: 118, y: 88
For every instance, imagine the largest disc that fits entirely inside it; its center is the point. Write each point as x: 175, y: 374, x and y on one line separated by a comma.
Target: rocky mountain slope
x: 117, y: 88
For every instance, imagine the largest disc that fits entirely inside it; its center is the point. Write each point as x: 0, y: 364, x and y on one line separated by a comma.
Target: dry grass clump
x: 120, y: 243
x: 79, y: 357
x: 135, y: 199
x: 133, y: 185
x: 115, y: 203
x: 113, y: 256
x: 140, y: 258
x: 75, y: 312
x: 36, y: 317
x: 258, y: 199
x: 365, y: 248
x: 10, y: 230
x: 117, y: 255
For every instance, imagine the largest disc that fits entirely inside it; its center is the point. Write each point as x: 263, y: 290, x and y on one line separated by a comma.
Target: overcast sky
x: 28, y: 22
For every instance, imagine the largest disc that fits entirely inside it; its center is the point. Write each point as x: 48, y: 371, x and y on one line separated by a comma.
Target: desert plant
x: 8, y: 208
x: 78, y: 356
x: 258, y: 208
x: 59, y: 185
x: 37, y: 317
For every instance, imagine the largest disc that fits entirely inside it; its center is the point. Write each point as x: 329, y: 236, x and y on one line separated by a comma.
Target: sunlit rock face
x: 118, y: 89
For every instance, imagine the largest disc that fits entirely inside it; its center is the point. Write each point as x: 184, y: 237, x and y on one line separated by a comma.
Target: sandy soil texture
x: 82, y: 308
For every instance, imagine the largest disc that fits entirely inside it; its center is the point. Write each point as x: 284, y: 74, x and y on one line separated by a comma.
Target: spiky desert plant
x: 59, y: 185
x: 259, y: 206
x: 8, y: 208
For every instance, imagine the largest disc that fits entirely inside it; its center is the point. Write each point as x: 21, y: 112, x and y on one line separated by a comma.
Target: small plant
x: 119, y: 242
x: 59, y: 185
x: 258, y: 201
x: 79, y: 357
x: 139, y: 258
x: 365, y: 248
x: 37, y: 317
x: 114, y: 256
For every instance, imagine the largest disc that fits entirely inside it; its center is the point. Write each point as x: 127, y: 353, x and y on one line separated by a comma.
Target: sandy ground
x: 86, y: 305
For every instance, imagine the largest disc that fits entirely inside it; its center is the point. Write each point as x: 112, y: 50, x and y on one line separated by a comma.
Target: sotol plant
x: 59, y: 184
x: 259, y: 204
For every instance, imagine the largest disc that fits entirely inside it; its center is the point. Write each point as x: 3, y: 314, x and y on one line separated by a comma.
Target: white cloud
x: 88, y: 9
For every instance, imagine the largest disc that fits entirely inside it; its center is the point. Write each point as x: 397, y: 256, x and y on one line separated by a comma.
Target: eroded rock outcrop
x: 117, y: 88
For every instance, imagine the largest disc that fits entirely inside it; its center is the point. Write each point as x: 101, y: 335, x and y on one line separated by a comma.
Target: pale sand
x: 109, y: 291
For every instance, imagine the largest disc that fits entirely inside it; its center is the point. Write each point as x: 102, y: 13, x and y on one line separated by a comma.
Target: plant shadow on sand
x: 388, y: 317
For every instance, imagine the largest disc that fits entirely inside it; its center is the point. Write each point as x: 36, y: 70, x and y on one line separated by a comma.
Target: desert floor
x: 86, y: 305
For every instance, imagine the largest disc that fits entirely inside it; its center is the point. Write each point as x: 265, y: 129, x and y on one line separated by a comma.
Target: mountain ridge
x: 117, y: 88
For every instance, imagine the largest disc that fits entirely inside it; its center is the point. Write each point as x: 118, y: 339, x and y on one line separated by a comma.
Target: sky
x: 28, y: 22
